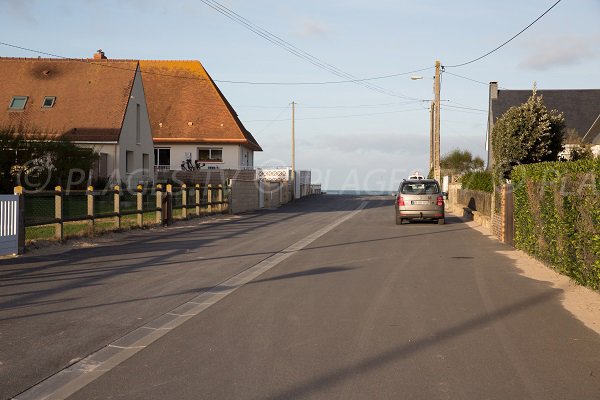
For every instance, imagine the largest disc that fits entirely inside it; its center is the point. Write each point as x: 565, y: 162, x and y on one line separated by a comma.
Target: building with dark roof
x: 94, y: 103
x: 581, y: 109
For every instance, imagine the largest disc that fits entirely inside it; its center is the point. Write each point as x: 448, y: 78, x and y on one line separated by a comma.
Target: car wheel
x: 441, y: 221
x: 398, y: 219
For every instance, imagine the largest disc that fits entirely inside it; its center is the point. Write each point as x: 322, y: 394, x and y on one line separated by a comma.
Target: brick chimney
x: 99, y: 55
x: 493, y: 90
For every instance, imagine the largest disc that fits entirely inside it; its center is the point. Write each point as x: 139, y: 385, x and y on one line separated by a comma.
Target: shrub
x: 557, y: 216
x: 526, y: 134
x: 42, y: 162
x: 478, y: 180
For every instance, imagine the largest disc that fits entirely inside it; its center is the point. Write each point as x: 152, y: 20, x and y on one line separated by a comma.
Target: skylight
x: 49, y: 102
x: 18, y: 103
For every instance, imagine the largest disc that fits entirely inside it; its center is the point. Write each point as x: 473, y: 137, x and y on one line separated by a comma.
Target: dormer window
x: 49, y: 101
x: 18, y: 103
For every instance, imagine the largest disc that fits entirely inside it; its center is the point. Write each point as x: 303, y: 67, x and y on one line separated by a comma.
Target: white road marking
x: 71, y: 379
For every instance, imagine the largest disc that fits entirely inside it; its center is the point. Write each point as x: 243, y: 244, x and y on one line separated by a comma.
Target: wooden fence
x: 58, y: 207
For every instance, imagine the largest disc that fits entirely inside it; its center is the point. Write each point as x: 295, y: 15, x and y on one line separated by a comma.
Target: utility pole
x: 431, y: 135
x: 293, y: 177
x: 436, y: 133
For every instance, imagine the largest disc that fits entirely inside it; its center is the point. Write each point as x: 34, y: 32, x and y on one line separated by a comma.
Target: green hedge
x: 557, y: 216
x: 478, y: 180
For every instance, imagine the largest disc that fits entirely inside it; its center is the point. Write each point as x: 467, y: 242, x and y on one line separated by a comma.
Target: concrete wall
x: 204, y: 177
x: 244, y: 195
x: 128, y: 139
x: 454, y: 204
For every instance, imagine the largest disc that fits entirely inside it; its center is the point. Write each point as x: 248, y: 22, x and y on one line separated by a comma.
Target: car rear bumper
x: 436, y: 214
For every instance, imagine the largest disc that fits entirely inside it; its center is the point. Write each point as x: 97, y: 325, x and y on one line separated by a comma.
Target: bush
x: 478, y: 180
x: 557, y: 216
x: 37, y: 161
x: 526, y: 134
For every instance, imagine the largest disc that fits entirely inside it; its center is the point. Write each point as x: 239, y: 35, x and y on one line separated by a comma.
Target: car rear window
x: 420, y: 188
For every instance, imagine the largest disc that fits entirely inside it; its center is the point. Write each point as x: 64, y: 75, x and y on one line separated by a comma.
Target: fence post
x: 198, y: 199
x: 168, y: 217
x: 159, y: 206
x: 90, y: 209
x: 117, y: 205
x: 184, y: 198
x: 58, y: 214
x: 140, y: 206
x: 220, y: 198
x: 21, y: 228
x: 209, y: 198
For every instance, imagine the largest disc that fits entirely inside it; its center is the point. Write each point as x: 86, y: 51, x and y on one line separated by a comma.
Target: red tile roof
x: 186, y: 106
x: 91, y: 96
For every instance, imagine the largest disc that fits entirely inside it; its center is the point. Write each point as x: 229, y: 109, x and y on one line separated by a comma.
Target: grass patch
x: 101, y: 225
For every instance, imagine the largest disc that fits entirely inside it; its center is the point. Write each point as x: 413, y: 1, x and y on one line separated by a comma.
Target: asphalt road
x: 347, y: 306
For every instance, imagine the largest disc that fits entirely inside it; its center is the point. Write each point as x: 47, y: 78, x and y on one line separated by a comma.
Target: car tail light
x: 440, y: 201
x: 400, y: 201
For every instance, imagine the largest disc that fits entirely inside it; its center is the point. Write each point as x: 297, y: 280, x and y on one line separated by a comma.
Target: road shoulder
x: 583, y: 303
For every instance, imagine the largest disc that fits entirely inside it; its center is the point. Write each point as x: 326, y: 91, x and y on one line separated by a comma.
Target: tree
x: 459, y: 162
x: 526, y: 134
x: 42, y: 162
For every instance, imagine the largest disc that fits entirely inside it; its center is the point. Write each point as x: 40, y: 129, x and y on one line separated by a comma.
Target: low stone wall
x: 476, y: 201
x: 459, y: 200
x: 244, y: 195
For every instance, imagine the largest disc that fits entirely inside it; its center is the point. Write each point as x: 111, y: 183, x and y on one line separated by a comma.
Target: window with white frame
x: 49, y: 101
x: 210, y: 154
x: 162, y: 158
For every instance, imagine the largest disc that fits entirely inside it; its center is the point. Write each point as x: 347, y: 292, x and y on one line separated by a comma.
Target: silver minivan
x: 419, y: 199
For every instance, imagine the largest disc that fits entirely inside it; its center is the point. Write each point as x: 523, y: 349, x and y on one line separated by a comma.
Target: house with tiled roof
x: 580, y: 107
x: 192, y: 120
x: 96, y: 103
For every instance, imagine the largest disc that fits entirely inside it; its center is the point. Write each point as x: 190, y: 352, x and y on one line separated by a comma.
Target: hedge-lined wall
x: 557, y: 216
x: 478, y: 180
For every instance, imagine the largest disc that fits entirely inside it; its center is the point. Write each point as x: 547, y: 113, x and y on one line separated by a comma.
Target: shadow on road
x: 305, y: 389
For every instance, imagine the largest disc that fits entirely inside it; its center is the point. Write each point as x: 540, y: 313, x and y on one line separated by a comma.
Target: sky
x: 351, y: 137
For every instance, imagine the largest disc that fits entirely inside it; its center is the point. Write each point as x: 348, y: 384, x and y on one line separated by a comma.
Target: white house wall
x: 128, y: 142
x: 246, y: 157
x: 109, y: 149
x: 232, y: 154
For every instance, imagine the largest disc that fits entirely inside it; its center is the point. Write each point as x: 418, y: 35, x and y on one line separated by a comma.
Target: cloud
x: 559, y: 51
x: 311, y: 28
x: 19, y: 10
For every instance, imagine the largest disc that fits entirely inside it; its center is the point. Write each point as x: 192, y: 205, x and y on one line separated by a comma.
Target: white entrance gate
x: 9, y: 224
x: 261, y: 194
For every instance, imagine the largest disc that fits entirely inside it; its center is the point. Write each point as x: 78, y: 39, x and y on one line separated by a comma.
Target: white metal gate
x: 9, y: 224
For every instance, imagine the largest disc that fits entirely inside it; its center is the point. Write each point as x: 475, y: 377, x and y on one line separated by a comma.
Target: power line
x: 505, y: 43
x: 341, y: 116
x: 357, y: 80
x: 102, y: 64
x: 462, y: 111
x: 465, y: 108
x: 472, y: 80
x: 467, y: 78
x: 277, y: 41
